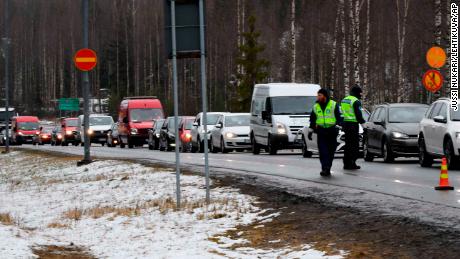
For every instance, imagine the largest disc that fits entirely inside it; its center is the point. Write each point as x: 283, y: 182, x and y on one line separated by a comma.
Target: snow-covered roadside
x: 117, y: 209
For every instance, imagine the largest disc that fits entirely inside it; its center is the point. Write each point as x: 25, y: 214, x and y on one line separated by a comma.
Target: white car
x: 440, y: 134
x: 231, y: 133
x: 278, y: 112
x: 197, y: 131
x: 99, y: 126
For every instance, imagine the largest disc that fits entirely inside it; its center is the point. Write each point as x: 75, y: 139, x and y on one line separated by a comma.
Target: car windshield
x: 159, y: 124
x: 147, y: 114
x: 406, y: 114
x: 71, y: 123
x: 212, y: 118
x: 94, y: 121
x: 455, y: 115
x: 292, y: 104
x: 189, y: 124
x: 28, y: 125
x: 47, y: 130
x: 58, y: 129
x: 237, y: 121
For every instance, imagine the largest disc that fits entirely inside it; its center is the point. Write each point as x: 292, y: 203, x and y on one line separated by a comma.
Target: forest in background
x: 379, y: 44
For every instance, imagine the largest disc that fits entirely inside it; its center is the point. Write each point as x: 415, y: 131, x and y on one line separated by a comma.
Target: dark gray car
x: 392, y: 131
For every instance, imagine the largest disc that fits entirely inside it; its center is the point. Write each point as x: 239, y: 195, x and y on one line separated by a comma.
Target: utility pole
x: 85, y: 84
x: 6, y: 43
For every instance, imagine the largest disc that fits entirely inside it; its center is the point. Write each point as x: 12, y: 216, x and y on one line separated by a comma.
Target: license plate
x: 102, y: 139
x: 247, y: 141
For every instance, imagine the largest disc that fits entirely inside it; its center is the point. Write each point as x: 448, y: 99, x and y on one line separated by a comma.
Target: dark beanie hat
x: 356, y: 90
x: 324, y: 92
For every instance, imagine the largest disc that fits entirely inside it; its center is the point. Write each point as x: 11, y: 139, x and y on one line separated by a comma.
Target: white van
x: 278, y: 112
x: 99, y: 126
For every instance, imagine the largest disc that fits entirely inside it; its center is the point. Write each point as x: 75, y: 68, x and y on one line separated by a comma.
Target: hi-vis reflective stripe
x: 444, y: 167
x: 444, y: 176
x: 85, y: 60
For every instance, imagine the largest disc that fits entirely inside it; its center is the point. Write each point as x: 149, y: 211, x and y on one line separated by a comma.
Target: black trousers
x: 351, y: 154
x: 327, y: 144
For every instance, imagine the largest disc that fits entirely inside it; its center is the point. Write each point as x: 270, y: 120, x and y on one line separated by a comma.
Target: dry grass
x: 73, y: 214
x: 57, y: 225
x: 6, y: 219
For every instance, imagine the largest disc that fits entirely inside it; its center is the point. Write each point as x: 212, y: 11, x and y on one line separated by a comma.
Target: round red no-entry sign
x: 432, y: 80
x: 85, y: 59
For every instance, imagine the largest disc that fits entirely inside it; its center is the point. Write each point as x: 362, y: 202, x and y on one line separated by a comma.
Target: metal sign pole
x: 176, y: 101
x: 87, y: 156
x: 7, y: 87
x: 204, y: 98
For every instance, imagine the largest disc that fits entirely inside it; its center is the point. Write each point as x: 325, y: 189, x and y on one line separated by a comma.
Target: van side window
x: 257, y: 106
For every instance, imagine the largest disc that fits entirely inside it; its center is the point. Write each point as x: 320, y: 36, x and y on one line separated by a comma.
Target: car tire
x: 388, y: 156
x: 222, y: 146
x: 453, y: 161
x: 272, y: 150
x: 122, y: 145
x: 213, y: 148
x: 424, y: 158
x: 200, y: 146
x: 102, y: 144
x: 255, y: 146
x: 305, y: 152
x: 368, y: 156
x: 130, y: 144
x: 151, y: 147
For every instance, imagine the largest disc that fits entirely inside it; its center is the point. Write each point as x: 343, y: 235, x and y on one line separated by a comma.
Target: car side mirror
x: 125, y: 120
x: 440, y: 119
x: 265, y: 115
x: 381, y: 123
x: 219, y: 125
x: 195, y: 124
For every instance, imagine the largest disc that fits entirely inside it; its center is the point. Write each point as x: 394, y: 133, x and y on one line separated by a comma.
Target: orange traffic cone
x: 444, y: 178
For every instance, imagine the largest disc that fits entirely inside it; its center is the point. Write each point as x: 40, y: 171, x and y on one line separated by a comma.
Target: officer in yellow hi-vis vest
x: 352, y: 117
x: 324, y: 119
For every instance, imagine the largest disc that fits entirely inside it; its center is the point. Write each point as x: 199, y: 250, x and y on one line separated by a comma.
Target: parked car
x: 278, y: 112
x: 56, y: 136
x: 310, y: 147
x: 154, y: 134
x: 231, y: 133
x: 136, y: 117
x: 197, y: 131
x: 99, y: 126
x: 167, y: 134
x: 112, y: 136
x: 69, y: 131
x: 24, y: 129
x: 44, y: 137
x: 392, y: 131
x: 439, y: 135
x: 185, y: 133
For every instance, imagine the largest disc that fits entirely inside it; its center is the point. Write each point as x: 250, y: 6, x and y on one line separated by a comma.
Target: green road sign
x: 69, y: 104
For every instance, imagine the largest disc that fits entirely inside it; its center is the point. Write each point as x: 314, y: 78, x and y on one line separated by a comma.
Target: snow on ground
x: 116, y: 209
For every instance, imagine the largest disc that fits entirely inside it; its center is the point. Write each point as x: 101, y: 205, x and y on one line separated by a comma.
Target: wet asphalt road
x: 403, y: 178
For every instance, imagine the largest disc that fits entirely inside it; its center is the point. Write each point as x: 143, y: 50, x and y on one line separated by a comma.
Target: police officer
x: 352, y: 117
x: 323, y: 121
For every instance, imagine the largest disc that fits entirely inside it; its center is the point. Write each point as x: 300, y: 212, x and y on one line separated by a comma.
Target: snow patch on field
x: 117, y: 209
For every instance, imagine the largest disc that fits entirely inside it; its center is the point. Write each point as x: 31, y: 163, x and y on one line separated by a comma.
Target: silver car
x: 197, y: 130
x: 231, y: 133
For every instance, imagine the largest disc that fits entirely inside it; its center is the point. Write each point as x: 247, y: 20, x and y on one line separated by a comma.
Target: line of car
x: 278, y: 119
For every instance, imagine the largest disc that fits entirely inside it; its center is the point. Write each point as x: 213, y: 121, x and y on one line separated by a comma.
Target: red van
x: 25, y: 129
x: 135, y: 118
x: 69, y: 131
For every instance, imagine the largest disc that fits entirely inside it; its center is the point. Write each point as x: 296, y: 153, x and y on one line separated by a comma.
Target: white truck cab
x: 278, y: 112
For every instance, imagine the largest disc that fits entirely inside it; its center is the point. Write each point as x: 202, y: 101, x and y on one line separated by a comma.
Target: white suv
x: 440, y: 134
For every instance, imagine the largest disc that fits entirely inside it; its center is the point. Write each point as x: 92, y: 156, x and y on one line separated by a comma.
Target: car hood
x: 70, y: 128
x: 406, y: 128
x: 28, y: 132
x: 240, y: 130
x: 141, y: 125
x: 100, y: 127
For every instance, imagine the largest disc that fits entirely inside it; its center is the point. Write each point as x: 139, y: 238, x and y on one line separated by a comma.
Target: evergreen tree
x: 253, y: 68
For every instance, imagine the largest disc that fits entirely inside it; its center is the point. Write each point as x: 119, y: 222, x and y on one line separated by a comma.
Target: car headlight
x: 188, y: 136
x: 158, y: 135
x: 399, y: 135
x: 133, y: 131
x: 90, y: 131
x: 68, y: 132
x: 230, y: 135
x: 280, y: 128
x: 37, y: 132
x: 59, y: 136
x: 20, y: 133
x: 457, y: 135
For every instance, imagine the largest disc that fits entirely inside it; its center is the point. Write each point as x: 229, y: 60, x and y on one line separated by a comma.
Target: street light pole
x: 6, y: 43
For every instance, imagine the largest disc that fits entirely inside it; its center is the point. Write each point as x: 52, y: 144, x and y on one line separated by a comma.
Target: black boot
x: 325, y: 173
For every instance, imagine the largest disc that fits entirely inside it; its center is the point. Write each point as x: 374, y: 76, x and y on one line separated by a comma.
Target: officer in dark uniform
x: 324, y: 119
x: 352, y: 117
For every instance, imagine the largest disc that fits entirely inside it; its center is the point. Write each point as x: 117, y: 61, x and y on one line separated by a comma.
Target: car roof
x: 403, y: 104
x: 237, y: 114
